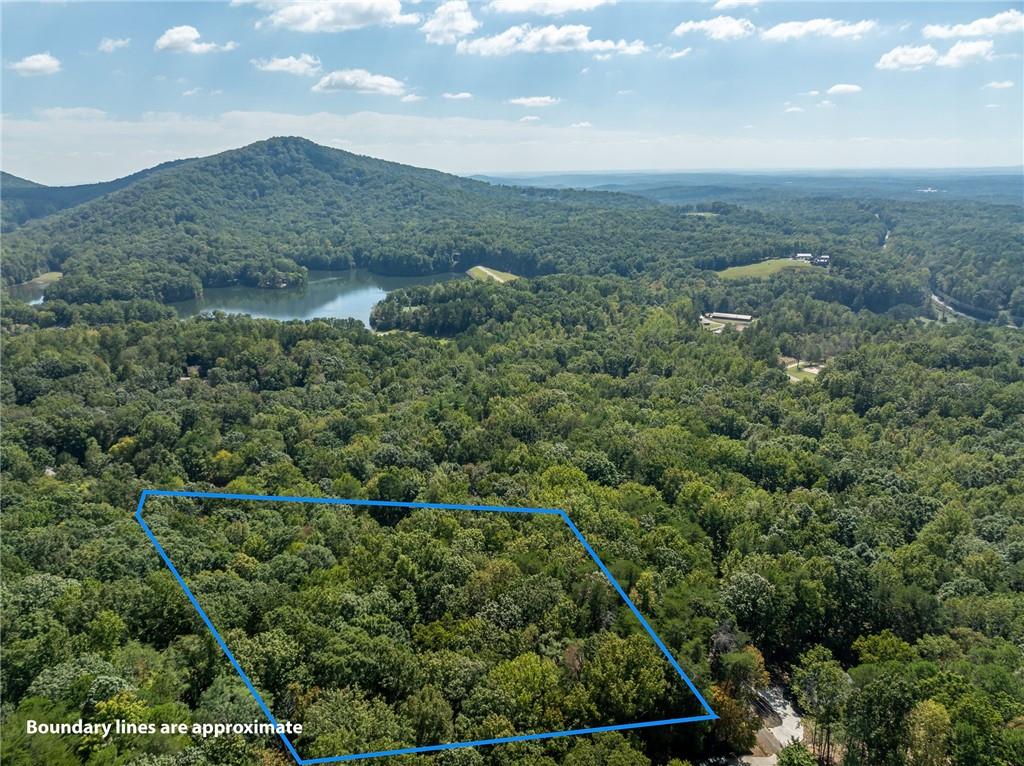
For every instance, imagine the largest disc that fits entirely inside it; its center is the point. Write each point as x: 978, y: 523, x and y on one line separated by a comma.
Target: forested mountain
x: 261, y: 215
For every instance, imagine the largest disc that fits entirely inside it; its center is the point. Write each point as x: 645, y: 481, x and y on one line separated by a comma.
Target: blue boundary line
x: 709, y: 714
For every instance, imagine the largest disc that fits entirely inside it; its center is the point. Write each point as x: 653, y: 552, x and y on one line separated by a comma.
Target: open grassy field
x: 47, y: 278
x: 797, y: 371
x: 762, y: 270
x: 485, y: 274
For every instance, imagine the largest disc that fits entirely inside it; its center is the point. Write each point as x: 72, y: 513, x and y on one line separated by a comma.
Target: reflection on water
x: 329, y: 294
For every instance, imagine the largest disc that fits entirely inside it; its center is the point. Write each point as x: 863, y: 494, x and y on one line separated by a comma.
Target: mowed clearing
x: 485, y: 274
x: 47, y: 278
x: 762, y: 270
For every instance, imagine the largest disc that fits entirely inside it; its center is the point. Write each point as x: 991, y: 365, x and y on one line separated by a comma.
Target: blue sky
x: 92, y: 91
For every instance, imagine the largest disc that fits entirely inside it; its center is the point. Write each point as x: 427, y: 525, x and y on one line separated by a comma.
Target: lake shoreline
x: 334, y: 294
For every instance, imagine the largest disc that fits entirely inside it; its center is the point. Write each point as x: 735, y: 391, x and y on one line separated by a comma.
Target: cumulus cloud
x: 792, y: 109
x: 912, y: 58
x: 842, y: 88
x: 304, y: 64
x: 460, y: 96
x: 111, y: 44
x: 998, y: 84
x: 965, y: 52
x: 724, y: 5
x: 411, y: 98
x: 36, y: 64
x: 451, y: 21
x: 331, y: 15
x: 550, y: 39
x: 796, y: 30
x: 359, y: 81
x: 908, y: 57
x: 192, y: 91
x: 534, y: 101
x: 718, y: 28
x: 545, y: 7
x: 1002, y: 23
x: 185, y: 39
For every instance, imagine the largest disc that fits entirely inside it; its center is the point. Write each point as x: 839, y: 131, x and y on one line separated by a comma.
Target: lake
x: 328, y: 294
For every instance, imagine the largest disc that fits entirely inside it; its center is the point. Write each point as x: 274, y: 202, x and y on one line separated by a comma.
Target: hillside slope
x: 260, y: 214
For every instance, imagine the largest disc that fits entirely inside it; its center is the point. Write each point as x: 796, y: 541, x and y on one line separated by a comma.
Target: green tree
x: 930, y: 727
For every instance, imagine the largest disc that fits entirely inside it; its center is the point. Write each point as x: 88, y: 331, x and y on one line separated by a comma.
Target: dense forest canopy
x: 854, y: 538
x: 859, y: 539
x: 465, y: 625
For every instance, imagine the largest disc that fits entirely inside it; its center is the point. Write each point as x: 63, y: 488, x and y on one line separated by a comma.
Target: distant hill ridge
x: 23, y: 200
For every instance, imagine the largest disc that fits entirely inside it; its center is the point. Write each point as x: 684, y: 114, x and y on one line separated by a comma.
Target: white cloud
x: 1002, y: 23
x: 460, y: 96
x: 111, y: 44
x: 304, y: 64
x: 191, y: 91
x: 529, y: 118
x: 724, y: 5
x: 999, y: 84
x: 966, y: 51
x: 790, y: 109
x: 718, y: 28
x: 912, y: 58
x: 72, y: 113
x: 843, y: 88
x: 796, y: 30
x: 331, y: 15
x: 359, y: 81
x: 451, y: 21
x: 36, y: 64
x: 412, y: 98
x: 185, y: 39
x: 809, y: 93
x: 583, y: 124
x: 550, y: 39
x: 669, y: 53
x: 908, y: 57
x: 545, y: 7
x: 825, y: 103
x: 625, y: 92
x: 534, y: 101
x: 991, y: 106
